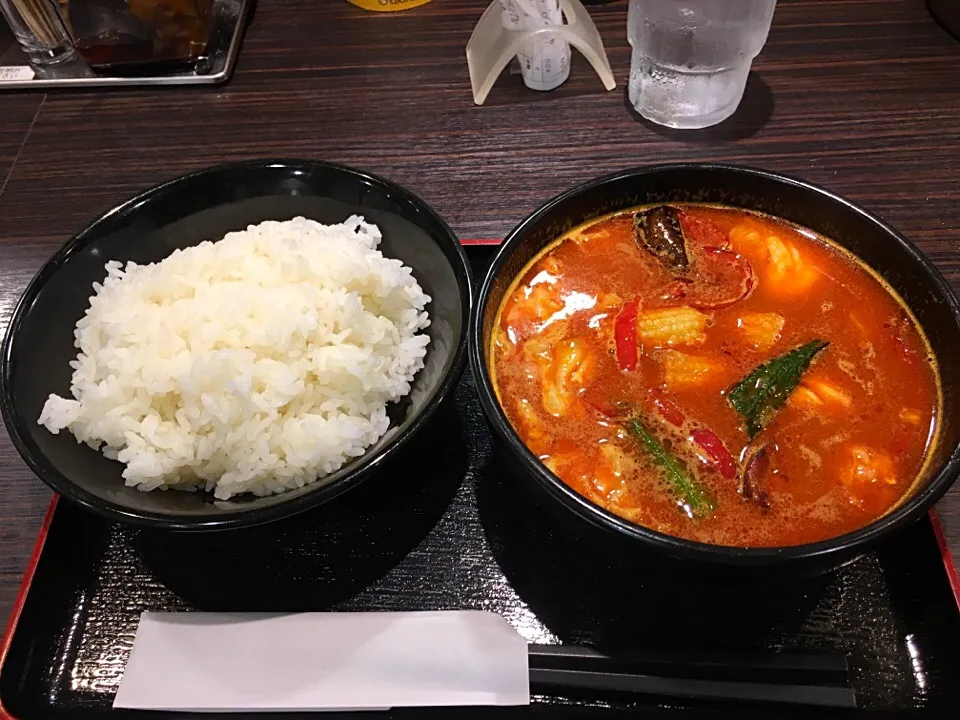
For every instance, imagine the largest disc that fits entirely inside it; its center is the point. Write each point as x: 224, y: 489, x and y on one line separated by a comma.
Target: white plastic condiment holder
x: 492, y: 46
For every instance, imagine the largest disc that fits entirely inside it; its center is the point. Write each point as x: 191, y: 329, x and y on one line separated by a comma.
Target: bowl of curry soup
x: 722, y: 363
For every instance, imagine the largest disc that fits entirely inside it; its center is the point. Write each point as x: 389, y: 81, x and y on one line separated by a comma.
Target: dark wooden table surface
x: 862, y: 96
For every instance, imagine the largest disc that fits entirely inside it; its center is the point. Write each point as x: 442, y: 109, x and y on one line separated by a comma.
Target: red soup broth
x: 599, y: 335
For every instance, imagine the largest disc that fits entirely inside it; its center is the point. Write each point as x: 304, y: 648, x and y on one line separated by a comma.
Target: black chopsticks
x: 812, y: 680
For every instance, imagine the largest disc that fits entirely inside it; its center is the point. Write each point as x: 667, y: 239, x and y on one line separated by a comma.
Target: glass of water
x: 691, y: 58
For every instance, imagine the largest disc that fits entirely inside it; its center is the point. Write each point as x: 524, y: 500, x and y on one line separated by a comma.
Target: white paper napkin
x: 209, y: 662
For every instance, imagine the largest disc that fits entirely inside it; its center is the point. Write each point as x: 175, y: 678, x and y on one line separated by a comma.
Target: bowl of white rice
x: 237, y: 345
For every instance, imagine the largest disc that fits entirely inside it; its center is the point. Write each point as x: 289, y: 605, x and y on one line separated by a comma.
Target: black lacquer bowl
x: 204, y: 206
x: 881, y: 247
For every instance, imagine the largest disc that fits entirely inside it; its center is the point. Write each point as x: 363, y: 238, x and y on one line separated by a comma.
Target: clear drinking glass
x: 39, y: 29
x: 691, y: 58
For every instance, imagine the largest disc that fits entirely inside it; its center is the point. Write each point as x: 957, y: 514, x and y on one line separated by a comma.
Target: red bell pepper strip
x: 668, y: 411
x: 606, y: 408
x: 625, y: 336
x: 713, y: 446
x: 708, y: 440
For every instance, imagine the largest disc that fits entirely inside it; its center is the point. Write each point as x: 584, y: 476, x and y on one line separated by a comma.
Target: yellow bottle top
x: 387, y: 5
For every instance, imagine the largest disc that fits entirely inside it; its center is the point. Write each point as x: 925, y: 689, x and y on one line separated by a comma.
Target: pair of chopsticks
x: 817, y: 680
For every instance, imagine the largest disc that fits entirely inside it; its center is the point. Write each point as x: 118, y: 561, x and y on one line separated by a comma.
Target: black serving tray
x: 445, y: 526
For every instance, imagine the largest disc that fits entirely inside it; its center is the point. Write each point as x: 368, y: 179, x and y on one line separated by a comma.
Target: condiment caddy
x: 207, y: 66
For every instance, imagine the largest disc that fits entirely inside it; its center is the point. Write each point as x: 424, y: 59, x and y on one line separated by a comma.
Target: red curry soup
x: 718, y: 375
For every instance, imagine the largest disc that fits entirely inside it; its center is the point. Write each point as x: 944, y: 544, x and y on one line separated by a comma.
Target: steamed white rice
x: 257, y: 364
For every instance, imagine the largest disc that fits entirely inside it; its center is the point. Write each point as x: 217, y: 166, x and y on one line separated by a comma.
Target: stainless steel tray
x: 216, y: 67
